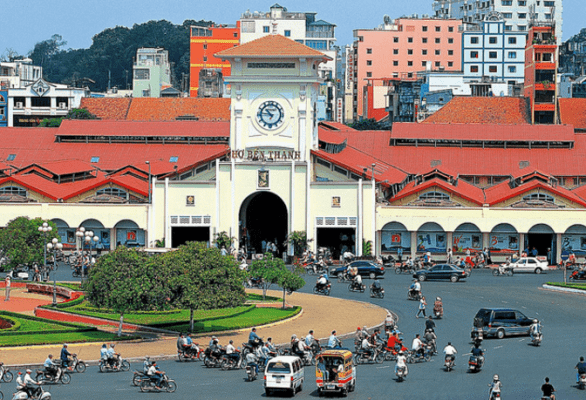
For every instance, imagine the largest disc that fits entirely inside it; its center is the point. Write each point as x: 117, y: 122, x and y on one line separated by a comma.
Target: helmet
x: 401, y: 353
x: 28, y: 371
x: 496, y: 377
x: 535, y: 321
x: 438, y: 299
x: 449, y: 343
x: 294, y: 336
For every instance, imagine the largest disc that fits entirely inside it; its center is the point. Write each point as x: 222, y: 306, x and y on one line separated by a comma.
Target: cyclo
x: 336, y: 372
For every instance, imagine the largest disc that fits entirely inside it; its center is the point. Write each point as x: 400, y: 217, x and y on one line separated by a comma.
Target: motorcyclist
x: 430, y: 339
x: 104, y: 353
x: 65, y: 357
x: 309, y: 339
x: 415, y: 289
x: 192, y: 347
x: 390, y: 321
x: 113, y: 357
x: 299, y: 347
x: 348, y: 257
x: 333, y: 341
x: 146, y: 365
x: 450, y: 352
x: 548, y: 389
x: 438, y: 306
x: 581, y: 367
x: 401, y: 362
x: 52, y: 369
x: 503, y: 267
x: 321, y: 283
x: 266, y: 353
x: 155, y: 374
x: 253, y: 339
x: 26, y: 384
x: 417, y: 346
x: 232, y: 352
x: 252, y: 360
x: 495, y: 386
x: 376, y: 286
x: 429, y: 324
x: 357, y: 283
x: 215, y: 349
x: 535, y: 330
x: 269, y: 344
x: 478, y: 353
x: 322, y: 265
x: 367, y: 347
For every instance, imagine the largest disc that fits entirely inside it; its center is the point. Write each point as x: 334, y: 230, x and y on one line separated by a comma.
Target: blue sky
x: 25, y: 23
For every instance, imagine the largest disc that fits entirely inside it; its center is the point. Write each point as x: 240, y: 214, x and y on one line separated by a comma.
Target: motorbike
x: 248, y: 348
x: 536, y: 340
x: 344, y: 277
x: 477, y: 335
x: 5, y: 374
x: 366, y: 357
x: 475, y: 363
x: 74, y: 364
x: 314, y: 267
x: 138, y: 377
x: 412, y: 295
x: 47, y: 377
x: 414, y: 357
x: 253, y: 283
x: 582, y: 382
x: 325, y: 290
x: 493, y: 395
x: 166, y: 384
x: 438, y: 312
x: 578, y: 275
x: 404, y: 268
x: 186, y: 355
x: 506, y: 271
x: 37, y: 394
x: 401, y: 374
x: 213, y: 361
x: 251, y: 372
x: 105, y: 365
x: 355, y: 287
x: 449, y: 362
x: 380, y: 293
x: 232, y: 362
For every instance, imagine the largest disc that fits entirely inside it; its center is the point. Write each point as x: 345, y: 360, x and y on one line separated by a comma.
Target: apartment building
x: 518, y: 14
x: 19, y: 73
x: 490, y: 52
x: 398, y: 49
x: 151, y: 72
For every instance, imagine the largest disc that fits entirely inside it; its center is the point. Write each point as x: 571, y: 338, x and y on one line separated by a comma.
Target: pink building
x: 399, y: 49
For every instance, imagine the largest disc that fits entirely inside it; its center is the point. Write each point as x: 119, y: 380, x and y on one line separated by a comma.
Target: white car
x: 529, y: 264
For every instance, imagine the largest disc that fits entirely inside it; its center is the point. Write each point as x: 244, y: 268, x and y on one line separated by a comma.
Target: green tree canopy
x: 273, y: 271
x: 22, y: 242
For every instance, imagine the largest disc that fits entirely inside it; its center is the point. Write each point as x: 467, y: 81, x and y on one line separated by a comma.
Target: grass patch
x: 53, y: 338
x: 254, y: 317
x: 580, y: 286
x: 257, y: 298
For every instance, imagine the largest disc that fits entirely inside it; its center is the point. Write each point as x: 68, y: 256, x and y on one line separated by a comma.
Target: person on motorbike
x: 417, y: 346
x: 155, y: 375
x: 104, y: 353
x: 65, y: 357
x: 438, y: 306
x: 430, y: 339
x: 52, y: 369
x: 376, y: 286
x: 298, y: 347
x: 401, y: 363
x: 495, y: 386
x: 232, y: 352
x: 348, y: 257
x: 191, y: 346
x: 367, y: 347
x: 270, y: 345
x: 253, y: 339
x: 320, y: 264
x: 450, y: 352
x: 309, y: 339
x: 146, y: 365
x: 113, y: 357
x: 415, y: 289
x: 181, y: 342
x: 390, y: 321
x: 266, y: 354
x: 429, y: 324
x: 333, y: 341
x: 252, y: 361
x: 357, y: 283
x: 478, y: 353
x: 321, y: 283
x: 504, y: 267
x: 581, y: 367
x: 548, y: 389
x: 535, y: 330
x: 215, y: 349
x: 26, y: 384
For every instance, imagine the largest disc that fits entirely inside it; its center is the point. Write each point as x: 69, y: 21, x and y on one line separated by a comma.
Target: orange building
x: 541, y: 64
x: 205, y: 42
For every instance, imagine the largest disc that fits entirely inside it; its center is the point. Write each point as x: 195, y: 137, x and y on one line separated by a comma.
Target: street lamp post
x: 54, y: 246
x: 44, y: 229
x: 150, y: 195
x: 89, y: 238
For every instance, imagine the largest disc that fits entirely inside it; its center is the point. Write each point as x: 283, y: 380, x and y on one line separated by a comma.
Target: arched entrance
x: 541, y: 238
x: 263, y: 217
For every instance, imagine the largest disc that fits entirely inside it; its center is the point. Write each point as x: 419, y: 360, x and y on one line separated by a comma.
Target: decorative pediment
x: 40, y: 87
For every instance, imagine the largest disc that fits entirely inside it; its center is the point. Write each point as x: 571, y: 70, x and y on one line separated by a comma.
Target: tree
x: 223, y: 240
x: 22, y: 242
x: 74, y: 113
x: 203, y: 279
x: 129, y: 280
x: 369, y: 124
x: 274, y: 272
x: 299, y: 241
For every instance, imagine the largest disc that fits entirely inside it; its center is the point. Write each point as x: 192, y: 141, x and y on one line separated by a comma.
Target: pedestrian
x: 549, y: 259
x: 422, y: 305
x: 534, y: 252
x: 400, y: 253
x: 449, y: 256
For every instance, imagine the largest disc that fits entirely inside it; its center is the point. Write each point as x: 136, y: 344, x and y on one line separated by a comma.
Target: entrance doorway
x: 184, y: 234
x: 541, y: 237
x: 263, y: 217
x: 338, y: 240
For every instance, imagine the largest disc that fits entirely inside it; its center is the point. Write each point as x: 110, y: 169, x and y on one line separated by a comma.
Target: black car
x: 441, y: 271
x: 368, y: 269
x: 501, y: 322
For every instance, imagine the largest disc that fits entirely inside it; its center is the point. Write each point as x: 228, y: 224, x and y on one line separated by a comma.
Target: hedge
x: 71, y: 327
x: 15, y: 324
x: 579, y: 286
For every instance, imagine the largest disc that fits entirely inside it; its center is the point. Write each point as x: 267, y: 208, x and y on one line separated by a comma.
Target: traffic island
x: 570, y: 288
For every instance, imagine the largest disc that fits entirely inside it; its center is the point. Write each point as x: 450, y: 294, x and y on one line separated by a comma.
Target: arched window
x: 2, y: 100
x: 540, y: 197
x: 13, y: 190
x: 434, y: 196
x: 113, y: 192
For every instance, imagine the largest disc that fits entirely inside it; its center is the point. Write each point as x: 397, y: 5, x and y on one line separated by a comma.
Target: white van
x: 284, y: 373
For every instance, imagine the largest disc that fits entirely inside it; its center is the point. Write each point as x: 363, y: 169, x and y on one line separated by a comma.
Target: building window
x: 507, y: 2
x: 521, y: 27
x: 409, y: 63
x: 512, y: 54
x: 141, y: 74
x: 549, y: 3
x: 173, y: 159
x: 424, y: 40
x: 492, y: 40
x: 205, y: 58
x: 437, y: 40
x: 548, y: 16
x: 450, y: 40
x: 492, y: 54
x: 112, y: 192
x: 508, y: 28
x: 492, y: 68
x: 434, y: 196
x: 13, y: 190
x: 368, y: 62
x: 450, y: 64
x: 437, y: 64
x: 369, y: 74
x: 424, y: 64
x: 368, y: 51
x: 95, y: 160
x: 438, y: 28
x: 539, y: 197
x: 424, y: 28
x: 410, y: 40
x: 287, y: 33
x: 395, y: 39
x: 512, y: 40
x: 395, y: 63
x: 205, y: 46
x: 450, y: 52
x: 522, y: 15
x: 522, y: 3
x: 437, y: 52
x: 450, y: 29
x: 235, y: 34
x: 473, y: 54
x: 409, y: 51
x: 474, y: 68
x: 265, y: 29
x: 336, y: 201
x: 424, y: 52
x: 395, y: 51
x: 507, y: 15
x: 512, y: 69
x: 474, y: 40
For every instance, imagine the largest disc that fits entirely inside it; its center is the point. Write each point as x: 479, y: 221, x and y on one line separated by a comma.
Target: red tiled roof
x: 479, y: 132
x: 66, y: 167
x: 71, y: 127
x: 462, y: 189
x: 502, y: 192
x: 168, y: 109
x: 271, y: 46
x: 573, y: 112
x: 335, y: 126
x: 482, y: 110
x: 107, y: 108
x: 330, y: 137
x: 158, y: 109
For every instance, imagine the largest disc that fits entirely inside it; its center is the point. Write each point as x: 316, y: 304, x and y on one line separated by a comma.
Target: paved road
x: 521, y: 367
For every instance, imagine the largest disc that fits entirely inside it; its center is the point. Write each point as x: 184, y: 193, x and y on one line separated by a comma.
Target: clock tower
x: 274, y: 88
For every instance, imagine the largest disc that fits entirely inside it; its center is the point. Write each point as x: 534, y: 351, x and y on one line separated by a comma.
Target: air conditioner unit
x: 63, y: 106
x: 18, y: 105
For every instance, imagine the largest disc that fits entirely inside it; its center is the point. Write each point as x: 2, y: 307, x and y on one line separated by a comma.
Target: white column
x: 308, y: 217
x: 359, y: 220
x: 413, y: 244
x: 151, y: 215
x: 374, y: 238
x: 290, y: 248
x: 234, y: 222
x: 216, y: 221
x: 167, y: 219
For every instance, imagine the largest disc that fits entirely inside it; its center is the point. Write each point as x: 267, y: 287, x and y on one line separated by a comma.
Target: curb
x: 552, y: 288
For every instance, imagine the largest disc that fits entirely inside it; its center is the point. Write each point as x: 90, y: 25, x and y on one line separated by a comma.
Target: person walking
x: 449, y: 256
x: 422, y: 305
x: 400, y: 254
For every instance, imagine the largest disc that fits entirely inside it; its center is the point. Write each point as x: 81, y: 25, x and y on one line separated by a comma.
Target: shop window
x: 112, y: 192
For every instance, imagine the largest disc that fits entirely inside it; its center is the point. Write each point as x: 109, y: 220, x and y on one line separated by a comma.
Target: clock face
x: 270, y: 115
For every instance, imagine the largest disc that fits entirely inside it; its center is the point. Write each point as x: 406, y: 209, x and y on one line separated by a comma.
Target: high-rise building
x: 518, y: 14
x: 205, y: 42
x: 541, y: 64
x: 398, y: 49
x: 19, y: 73
x: 151, y: 72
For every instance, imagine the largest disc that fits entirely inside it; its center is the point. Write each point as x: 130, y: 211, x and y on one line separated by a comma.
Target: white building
x: 151, y: 72
x: 301, y: 27
x: 518, y: 14
x: 490, y: 52
x: 19, y: 73
x: 28, y: 106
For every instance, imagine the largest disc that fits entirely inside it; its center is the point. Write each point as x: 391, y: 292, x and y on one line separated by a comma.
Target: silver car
x: 529, y: 264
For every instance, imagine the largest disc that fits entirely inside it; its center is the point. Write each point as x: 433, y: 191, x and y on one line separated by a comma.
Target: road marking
x: 466, y: 354
x: 497, y: 347
x: 522, y: 340
x: 388, y: 366
x: 504, y: 302
x: 524, y: 307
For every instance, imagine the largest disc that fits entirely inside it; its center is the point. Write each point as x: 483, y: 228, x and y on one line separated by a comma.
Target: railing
x: 324, y: 35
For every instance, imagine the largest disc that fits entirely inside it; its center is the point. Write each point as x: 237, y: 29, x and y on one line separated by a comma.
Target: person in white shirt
x: 495, y: 386
x: 321, y: 282
x: 366, y: 346
x: 104, y: 352
x: 401, y: 362
x: 309, y: 339
x: 113, y: 358
x: 450, y: 351
x: 26, y: 384
x: 155, y: 375
x: 417, y: 345
x: 231, y: 351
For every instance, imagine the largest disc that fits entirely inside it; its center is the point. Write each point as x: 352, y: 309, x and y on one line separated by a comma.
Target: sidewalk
x: 320, y: 313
